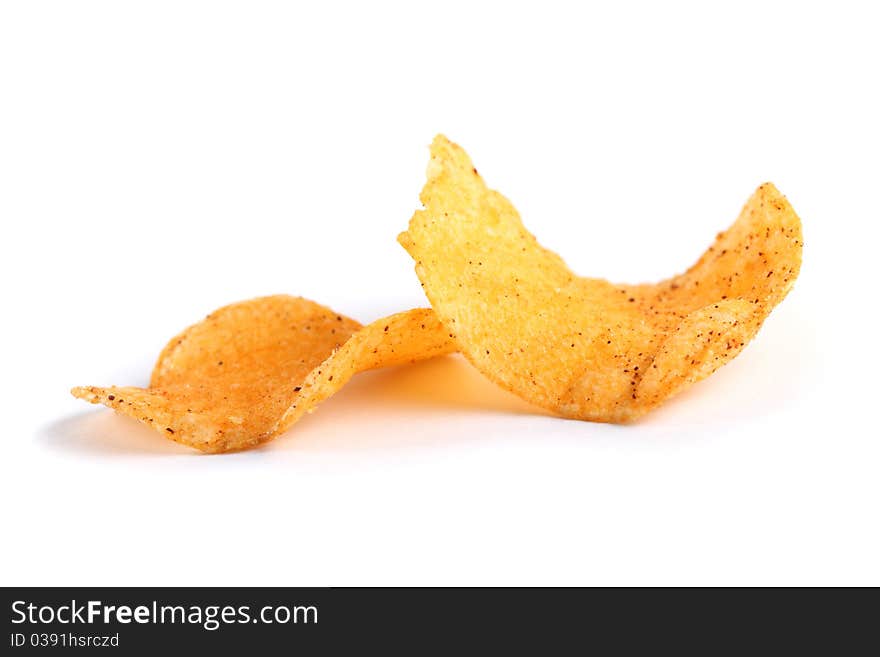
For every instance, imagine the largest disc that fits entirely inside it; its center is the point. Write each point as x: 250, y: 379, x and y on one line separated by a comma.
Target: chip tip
x: 769, y: 189
x: 783, y: 212
x: 447, y: 159
x: 86, y: 393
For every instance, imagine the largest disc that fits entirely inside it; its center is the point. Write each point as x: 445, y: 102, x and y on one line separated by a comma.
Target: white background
x: 158, y: 160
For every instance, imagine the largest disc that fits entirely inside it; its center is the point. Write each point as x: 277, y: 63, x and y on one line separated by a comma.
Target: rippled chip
x: 250, y: 370
x: 583, y: 347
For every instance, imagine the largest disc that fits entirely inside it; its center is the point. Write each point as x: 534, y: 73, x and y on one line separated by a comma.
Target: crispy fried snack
x: 250, y: 370
x: 583, y: 347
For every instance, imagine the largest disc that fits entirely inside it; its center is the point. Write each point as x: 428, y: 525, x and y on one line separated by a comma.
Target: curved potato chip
x: 583, y: 347
x: 250, y: 370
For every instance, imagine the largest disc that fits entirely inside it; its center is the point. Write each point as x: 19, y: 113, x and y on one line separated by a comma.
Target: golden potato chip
x: 250, y: 370
x: 583, y: 347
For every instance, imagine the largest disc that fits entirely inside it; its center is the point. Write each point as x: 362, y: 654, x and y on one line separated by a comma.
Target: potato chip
x: 583, y: 347
x: 250, y: 370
